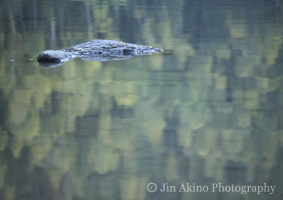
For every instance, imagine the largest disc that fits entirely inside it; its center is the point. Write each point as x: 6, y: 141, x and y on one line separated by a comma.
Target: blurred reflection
x: 207, y: 111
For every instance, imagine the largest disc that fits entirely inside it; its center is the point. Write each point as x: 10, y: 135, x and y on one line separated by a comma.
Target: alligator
x: 94, y: 50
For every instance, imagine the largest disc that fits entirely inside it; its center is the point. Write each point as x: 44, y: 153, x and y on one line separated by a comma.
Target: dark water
x: 207, y: 111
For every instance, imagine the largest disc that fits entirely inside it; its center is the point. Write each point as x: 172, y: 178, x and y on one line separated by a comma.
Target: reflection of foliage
x: 3, y: 170
x: 213, y: 102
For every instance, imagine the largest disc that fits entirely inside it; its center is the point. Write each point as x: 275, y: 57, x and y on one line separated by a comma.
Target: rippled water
x: 205, y: 112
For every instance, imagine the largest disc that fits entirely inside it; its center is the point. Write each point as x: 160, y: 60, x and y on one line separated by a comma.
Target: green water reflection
x: 207, y: 111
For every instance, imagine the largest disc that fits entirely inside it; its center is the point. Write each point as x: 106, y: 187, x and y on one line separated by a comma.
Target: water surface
x: 207, y: 110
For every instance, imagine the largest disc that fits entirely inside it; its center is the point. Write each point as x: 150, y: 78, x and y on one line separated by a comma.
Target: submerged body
x: 96, y: 50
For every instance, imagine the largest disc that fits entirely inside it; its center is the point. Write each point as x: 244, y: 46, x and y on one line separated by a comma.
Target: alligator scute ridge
x: 95, y: 50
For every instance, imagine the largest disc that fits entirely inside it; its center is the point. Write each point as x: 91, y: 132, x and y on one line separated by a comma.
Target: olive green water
x: 208, y: 110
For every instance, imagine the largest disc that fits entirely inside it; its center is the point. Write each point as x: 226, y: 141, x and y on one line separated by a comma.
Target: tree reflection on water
x: 207, y: 111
